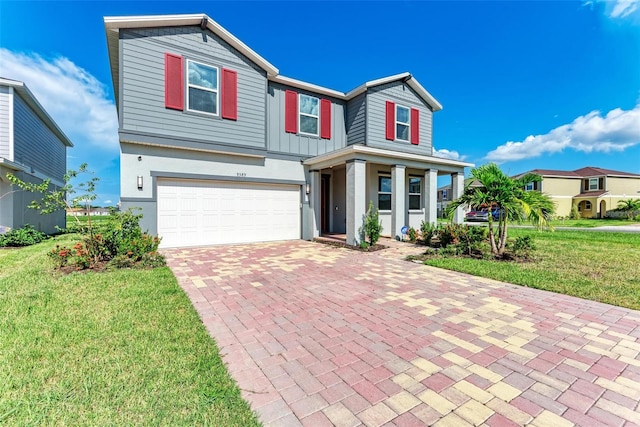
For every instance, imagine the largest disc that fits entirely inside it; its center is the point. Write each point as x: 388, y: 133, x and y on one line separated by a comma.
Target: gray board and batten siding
x: 401, y: 94
x: 5, y: 99
x: 356, y: 119
x: 35, y: 145
x: 293, y: 143
x: 143, y: 88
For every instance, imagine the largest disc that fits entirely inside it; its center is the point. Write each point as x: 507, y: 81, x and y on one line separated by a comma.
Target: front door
x: 325, y: 203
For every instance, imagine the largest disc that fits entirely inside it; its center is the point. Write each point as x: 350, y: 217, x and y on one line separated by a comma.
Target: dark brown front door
x: 325, y: 203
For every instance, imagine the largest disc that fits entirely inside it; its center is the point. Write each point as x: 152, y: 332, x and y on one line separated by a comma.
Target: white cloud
x: 75, y: 99
x: 623, y: 8
x: 617, y: 8
x: 108, y: 202
x: 616, y: 131
x: 447, y: 154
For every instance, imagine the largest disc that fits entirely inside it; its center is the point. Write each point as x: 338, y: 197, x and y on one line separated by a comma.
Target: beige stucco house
x: 595, y: 191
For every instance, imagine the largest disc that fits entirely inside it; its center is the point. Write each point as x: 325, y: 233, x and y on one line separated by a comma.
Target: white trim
x: 407, y: 124
x: 365, y: 150
x: 597, y: 180
x: 216, y: 90
x: 11, y: 124
x: 29, y: 171
x: 307, y: 86
x: 114, y: 23
x: 300, y: 113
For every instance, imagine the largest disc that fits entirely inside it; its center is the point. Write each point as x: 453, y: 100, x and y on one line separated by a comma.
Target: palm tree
x: 508, y: 196
x: 629, y: 206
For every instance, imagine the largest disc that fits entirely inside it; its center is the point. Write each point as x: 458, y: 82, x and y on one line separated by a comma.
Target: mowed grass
x: 598, y: 266
x: 591, y: 223
x: 117, y: 348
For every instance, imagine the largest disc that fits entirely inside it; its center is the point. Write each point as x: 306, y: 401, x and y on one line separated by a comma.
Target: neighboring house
x: 445, y: 195
x: 86, y: 212
x: 33, y: 148
x: 218, y: 147
x: 595, y: 191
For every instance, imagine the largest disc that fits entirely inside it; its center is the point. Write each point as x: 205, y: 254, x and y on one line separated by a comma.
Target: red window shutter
x: 415, y: 126
x: 391, y: 121
x: 325, y: 119
x: 229, y: 94
x: 291, y: 111
x: 173, y: 82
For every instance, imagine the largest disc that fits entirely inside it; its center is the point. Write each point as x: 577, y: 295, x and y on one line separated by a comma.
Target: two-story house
x: 218, y: 147
x: 595, y: 191
x: 33, y: 148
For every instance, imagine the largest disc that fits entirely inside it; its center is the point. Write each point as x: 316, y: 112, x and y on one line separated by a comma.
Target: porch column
x: 431, y: 196
x: 457, y: 187
x: 315, y: 203
x: 398, y: 207
x: 356, y: 198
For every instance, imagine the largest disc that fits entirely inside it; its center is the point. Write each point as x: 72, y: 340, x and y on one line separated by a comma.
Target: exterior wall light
x: 307, y: 188
x: 139, y: 183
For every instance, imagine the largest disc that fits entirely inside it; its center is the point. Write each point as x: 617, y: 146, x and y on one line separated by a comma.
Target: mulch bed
x: 374, y: 248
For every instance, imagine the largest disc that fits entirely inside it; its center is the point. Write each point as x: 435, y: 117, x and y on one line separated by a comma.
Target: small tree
x: 575, y: 213
x: 56, y: 198
x: 508, y: 196
x: 629, y: 206
x: 372, y: 226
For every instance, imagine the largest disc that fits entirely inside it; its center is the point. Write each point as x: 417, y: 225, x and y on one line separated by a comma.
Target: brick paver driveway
x: 316, y: 335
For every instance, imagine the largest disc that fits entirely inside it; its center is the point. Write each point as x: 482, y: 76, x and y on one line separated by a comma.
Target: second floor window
x: 309, y: 114
x: 202, y: 88
x: 593, y: 183
x: 444, y: 195
x: 403, y: 120
x: 415, y: 193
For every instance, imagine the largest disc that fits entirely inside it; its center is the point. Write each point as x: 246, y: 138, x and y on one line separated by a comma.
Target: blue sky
x: 542, y: 84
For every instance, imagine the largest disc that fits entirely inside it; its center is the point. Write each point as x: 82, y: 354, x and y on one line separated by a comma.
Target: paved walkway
x: 317, y: 335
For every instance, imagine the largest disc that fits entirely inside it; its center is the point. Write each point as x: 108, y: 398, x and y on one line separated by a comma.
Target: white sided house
x: 218, y: 147
x: 33, y: 148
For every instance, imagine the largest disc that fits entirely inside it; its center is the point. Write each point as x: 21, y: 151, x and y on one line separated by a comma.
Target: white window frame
x: 444, y: 194
x: 529, y: 187
x: 587, y: 205
x: 300, y: 114
x: 597, y: 181
x: 216, y: 91
x: 419, y: 193
x: 407, y: 124
x: 384, y: 192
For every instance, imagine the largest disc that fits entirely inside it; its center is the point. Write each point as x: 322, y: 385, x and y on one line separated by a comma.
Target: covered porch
x: 402, y: 186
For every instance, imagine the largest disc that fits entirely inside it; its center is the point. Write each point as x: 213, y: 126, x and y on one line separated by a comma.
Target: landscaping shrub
x: 575, y: 214
x: 413, y: 235
x: 25, y: 236
x: 123, y: 244
x: 372, y: 226
x: 523, y: 247
x: 471, y: 239
x: 449, y: 234
x: 428, y: 231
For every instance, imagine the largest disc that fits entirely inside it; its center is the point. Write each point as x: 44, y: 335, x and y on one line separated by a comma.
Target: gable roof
x: 588, y: 171
x: 114, y: 23
x: 28, y: 97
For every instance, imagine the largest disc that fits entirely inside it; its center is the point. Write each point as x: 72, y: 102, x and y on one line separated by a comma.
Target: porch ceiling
x: 385, y: 157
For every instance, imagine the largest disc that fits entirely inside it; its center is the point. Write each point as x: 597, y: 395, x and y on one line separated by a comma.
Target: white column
x: 431, y: 196
x: 356, y: 198
x: 398, y: 207
x: 457, y: 187
x: 315, y: 203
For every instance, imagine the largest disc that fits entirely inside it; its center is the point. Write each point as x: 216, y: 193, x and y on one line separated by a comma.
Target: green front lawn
x: 591, y: 223
x: 594, y: 265
x: 116, y: 348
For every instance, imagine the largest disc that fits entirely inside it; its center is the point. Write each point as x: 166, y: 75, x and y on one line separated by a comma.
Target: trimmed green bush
x: 25, y: 236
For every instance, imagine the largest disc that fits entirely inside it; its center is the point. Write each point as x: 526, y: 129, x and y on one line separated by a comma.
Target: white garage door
x: 194, y: 213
